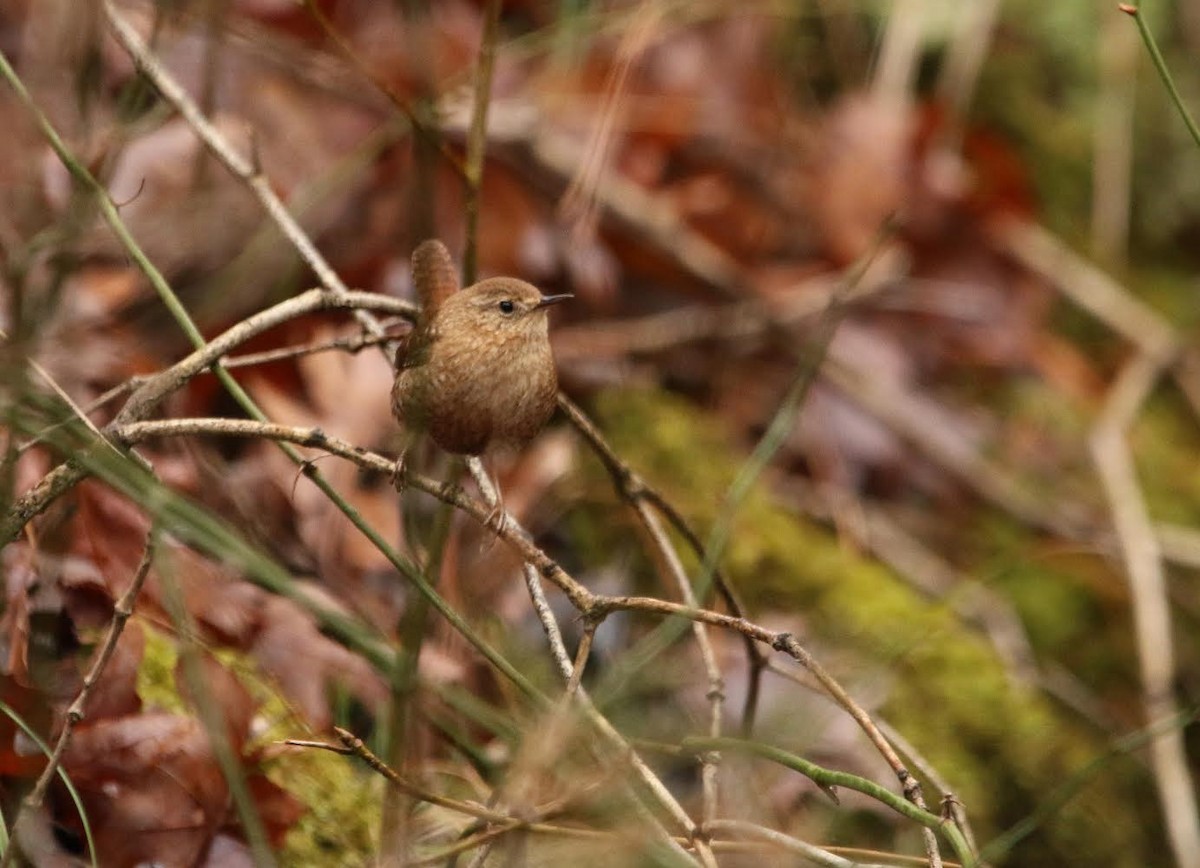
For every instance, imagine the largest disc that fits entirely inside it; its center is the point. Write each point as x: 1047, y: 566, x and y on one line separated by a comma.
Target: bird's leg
x: 489, y: 487
x: 398, y: 481
x: 402, y: 464
x: 497, y: 518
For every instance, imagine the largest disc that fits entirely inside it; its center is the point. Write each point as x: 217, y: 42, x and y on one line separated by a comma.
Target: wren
x: 476, y: 371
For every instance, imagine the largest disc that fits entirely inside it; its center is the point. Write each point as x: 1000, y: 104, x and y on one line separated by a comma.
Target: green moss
x: 1002, y: 746
x: 156, y: 674
x: 341, y: 800
x: 1165, y: 444
x: 343, y: 808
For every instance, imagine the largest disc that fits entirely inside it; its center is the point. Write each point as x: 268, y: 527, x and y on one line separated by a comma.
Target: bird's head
x: 501, y: 306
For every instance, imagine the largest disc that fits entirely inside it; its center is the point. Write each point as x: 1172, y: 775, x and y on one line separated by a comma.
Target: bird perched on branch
x: 476, y: 370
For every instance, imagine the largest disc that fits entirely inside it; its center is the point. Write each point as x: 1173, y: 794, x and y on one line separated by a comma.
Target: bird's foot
x: 399, y: 482
x: 497, y: 519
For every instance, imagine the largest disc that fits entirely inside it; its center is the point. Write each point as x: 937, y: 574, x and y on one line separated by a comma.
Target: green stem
x: 999, y: 847
x: 179, y: 313
x: 777, y: 431
x: 5, y: 843
x: 828, y: 778
x: 1160, y: 64
x: 212, y: 717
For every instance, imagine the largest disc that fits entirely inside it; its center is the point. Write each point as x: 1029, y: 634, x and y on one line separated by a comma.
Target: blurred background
x: 983, y: 515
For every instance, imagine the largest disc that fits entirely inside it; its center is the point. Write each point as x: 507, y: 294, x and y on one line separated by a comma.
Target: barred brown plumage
x: 477, y: 369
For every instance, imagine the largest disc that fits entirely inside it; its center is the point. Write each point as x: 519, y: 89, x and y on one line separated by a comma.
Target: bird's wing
x: 412, y: 350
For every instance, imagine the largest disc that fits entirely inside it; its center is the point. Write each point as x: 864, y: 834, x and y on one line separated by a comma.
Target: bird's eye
x: 507, y: 306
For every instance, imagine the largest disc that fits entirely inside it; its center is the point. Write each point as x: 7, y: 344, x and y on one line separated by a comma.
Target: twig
x: 500, y: 823
x: 631, y: 487
x: 86, y: 410
x: 541, y: 565
x: 744, y: 829
x: 558, y: 649
x: 75, y: 713
x: 351, y: 344
x: 150, y: 391
x: 477, y: 137
x: 241, y: 167
x: 829, y: 779
x: 1151, y: 611
x: 532, y: 571
x: 581, y: 657
x: 355, y: 745
x: 1134, y: 11
x: 956, y: 808
x: 716, y: 684
x: 634, y: 489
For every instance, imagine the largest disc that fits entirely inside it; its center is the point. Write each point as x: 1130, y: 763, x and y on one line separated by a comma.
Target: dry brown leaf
x: 151, y: 788
x: 305, y: 664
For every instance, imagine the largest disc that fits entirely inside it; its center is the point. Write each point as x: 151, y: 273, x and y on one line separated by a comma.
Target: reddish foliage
x: 151, y: 787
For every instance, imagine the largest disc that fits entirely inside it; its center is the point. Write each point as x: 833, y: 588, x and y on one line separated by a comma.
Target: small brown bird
x: 476, y: 370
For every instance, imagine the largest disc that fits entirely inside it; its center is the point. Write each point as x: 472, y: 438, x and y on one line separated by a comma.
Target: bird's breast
x: 472, y: 393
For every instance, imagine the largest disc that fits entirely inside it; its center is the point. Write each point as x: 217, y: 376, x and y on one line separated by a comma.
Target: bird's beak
x: 548, y: 300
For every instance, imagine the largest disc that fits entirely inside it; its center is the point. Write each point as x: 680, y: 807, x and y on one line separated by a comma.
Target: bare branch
x: 75, y: 713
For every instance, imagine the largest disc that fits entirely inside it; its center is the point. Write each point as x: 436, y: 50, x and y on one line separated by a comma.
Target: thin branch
x: 148, y: 392
x: 632, y: 488
x: 829, y: 778
x: 499, y: 823
x: 354, y: 745
x: 431, y: 135
x: 1151, y: 610
x: 477, y: 137
x: 352, y: 344
x: 508, y: 529
x: 743, y: 829
x: 716, y: 684
x: 541, y: 565
x: 77, y: 710
x: 242, y: 168
x: 581, y: 657
x: 566, y: 668
x: 1134, y: 11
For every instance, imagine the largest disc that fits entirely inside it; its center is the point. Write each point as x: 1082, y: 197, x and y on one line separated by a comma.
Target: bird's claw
x: 399, y: 469
x: 497, y: 520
